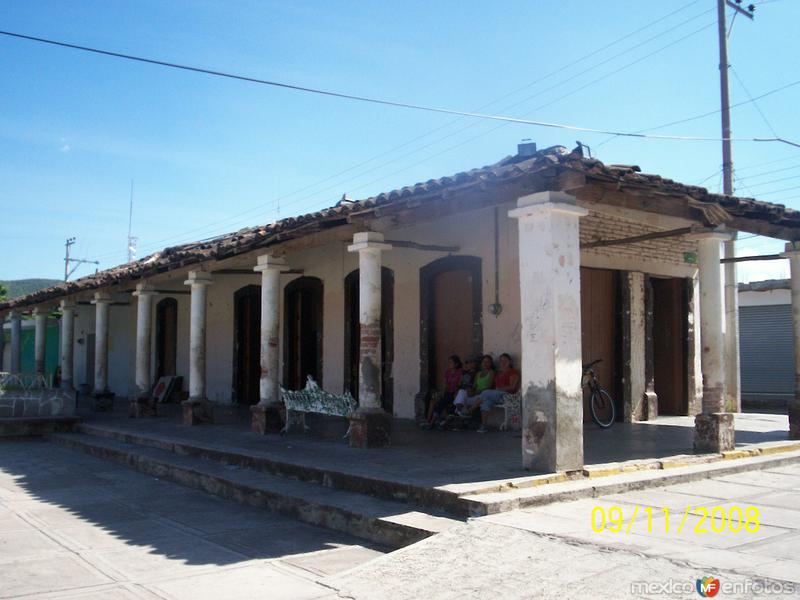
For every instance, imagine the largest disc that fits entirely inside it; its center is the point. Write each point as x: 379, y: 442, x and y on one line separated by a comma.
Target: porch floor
x: 429, y: 458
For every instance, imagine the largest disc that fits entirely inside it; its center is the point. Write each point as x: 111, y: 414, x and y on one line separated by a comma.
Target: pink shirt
x: 452, y: 379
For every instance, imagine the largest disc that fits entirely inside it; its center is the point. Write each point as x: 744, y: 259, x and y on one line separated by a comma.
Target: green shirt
x: 483, y: 381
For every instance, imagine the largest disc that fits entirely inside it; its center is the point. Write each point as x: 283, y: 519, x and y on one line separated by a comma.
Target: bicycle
x: 601, y: 404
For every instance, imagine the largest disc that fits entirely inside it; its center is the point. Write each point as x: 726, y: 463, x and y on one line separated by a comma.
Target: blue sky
x: 209, y: 155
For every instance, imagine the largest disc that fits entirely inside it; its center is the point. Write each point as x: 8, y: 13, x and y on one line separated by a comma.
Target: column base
x: 102, y: 401
x: 713, y: 432
x: 197, y: 411
x: 143, y: 406
x: 794, y: 421
x: 266, y: 418
x: 650, y: 406
x: 370, y: 428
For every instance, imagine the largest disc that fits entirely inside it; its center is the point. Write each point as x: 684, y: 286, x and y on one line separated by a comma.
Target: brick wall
x: 599, y: 226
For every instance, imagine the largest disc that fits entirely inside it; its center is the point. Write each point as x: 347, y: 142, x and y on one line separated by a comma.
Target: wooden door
x: 166, y: 337
x: 670, y: 322
x: 247, y: 344
x: 452, y: 320
x: 303, y: 332
x: 600, y: 330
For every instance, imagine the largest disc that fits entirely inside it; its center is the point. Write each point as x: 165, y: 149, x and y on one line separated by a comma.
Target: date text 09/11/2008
x: 716, y: 519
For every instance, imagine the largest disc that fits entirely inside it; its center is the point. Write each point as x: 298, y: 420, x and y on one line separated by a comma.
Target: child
x: 452, y: 380
x: 466, y: 383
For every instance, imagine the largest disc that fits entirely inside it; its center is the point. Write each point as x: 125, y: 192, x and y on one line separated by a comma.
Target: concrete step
x: 425, y: 497
x: 524, y: 497
x: 386, y: 522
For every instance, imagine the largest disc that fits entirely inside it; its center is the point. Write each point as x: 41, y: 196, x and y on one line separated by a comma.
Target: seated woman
x: 452, y: 381
x: 466, y: 384
x: 506, y: 381
x: 484, y: 380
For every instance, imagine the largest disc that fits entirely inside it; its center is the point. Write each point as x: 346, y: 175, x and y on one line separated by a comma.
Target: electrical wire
x: 590, y: 54
x: 276, y: 201
x: 384, y: 102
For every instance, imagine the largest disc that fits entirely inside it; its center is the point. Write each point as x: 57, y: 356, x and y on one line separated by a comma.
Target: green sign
x: 690, y: 257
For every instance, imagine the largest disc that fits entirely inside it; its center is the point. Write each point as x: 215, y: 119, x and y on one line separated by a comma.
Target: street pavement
x: 74, y: 526
x: 553, y: 551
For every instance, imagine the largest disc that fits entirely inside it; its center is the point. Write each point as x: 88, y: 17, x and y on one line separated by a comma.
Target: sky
x: 206, y: 155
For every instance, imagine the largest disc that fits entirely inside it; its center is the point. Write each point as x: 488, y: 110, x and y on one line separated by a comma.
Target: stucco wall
x: 472, y: 232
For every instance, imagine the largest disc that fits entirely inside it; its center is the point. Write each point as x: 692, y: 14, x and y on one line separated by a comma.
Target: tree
x: 3, y: 292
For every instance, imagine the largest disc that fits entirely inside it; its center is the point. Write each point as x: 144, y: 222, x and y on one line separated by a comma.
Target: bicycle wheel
x: 602, y: 407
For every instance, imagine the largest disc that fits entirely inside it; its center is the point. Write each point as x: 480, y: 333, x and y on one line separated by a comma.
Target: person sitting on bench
x: 452, y: 380
x: 506, y: 381
x: 484, y: 380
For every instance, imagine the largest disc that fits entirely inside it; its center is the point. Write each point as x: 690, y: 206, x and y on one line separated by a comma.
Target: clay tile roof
x: 506, y: 170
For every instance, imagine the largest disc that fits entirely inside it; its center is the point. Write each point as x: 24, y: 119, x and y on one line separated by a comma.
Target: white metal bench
x: 512, y: 406
x: 313, y: 399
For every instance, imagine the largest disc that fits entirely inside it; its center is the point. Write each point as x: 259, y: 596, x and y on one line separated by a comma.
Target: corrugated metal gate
x: 767, y: 350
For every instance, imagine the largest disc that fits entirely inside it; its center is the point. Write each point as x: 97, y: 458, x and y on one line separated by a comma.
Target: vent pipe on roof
x: 526, y: 148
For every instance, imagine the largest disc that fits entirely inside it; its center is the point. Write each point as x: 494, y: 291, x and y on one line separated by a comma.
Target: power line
x: 556, y: 71
x: 773, y: 171
x: 767, y: 163
x: 774, y: 181
x: 396, y: 104
x: 753, y: 100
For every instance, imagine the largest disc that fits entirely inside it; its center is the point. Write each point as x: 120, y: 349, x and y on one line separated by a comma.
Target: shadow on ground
x: 87, y: 504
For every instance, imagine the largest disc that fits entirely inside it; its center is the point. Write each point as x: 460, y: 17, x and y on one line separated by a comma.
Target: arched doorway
x: 451, y: 319
x: 247, y: 344
x: 166, y: 337
x: 302, y: 346
x: 352, y: 335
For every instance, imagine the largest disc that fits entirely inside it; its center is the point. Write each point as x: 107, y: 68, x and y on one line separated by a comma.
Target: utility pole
x: 70, y: 242
x: 77, y: 261
x: 733, y: 398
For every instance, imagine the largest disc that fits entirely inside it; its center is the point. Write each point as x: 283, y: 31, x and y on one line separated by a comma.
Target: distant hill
x: 20, y: 287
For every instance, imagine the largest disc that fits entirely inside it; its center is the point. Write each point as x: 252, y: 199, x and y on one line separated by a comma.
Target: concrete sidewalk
x: 553, y: 552
x: 73, y: 526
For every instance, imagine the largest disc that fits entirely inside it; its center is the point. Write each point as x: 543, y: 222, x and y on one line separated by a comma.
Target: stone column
x: 67, y: 344
x: 549, y: 270
x: 39, y: 339
x: 16, y: 341
x: 794, y: 405
x: 634, y: 347
x: 370, y: 426
x: 103, y: 399
x: 713, y: 427
x: 266, y: 416
x: 733, y: 396
x: 143, y: 404
x: 197, y: 409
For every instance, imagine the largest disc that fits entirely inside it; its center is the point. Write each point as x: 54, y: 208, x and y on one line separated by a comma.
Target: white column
x: 714, y: 431
x: 144, y: 310
x: 794, y: 405
x: 270, y: 268
x: 199, y: 281
x: 67, y: 343
x: 101, y: 302
x: 733, y: 397
x: 549, y: 268
x: 711, y: 317
x: 16, y: 341
x: 369, y: 246
x: 40, y: 338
